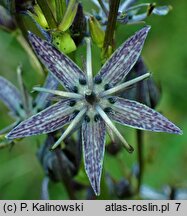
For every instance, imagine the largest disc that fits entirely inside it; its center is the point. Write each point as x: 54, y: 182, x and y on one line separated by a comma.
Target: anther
x: 106, y: 86
x: 87, y: 118
x: 111, y: 100
x: 75, y: 89
x: 98, y: 80
x: 82, y: 81
x: 107, y: 109
x: 72, y: 103
x: 96, y: 117
x: 76, y: 112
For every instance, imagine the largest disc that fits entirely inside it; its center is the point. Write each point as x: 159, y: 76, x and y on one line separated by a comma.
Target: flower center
x: 90, y: 97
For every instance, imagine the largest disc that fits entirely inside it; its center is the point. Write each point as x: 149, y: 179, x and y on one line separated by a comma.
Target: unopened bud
x: 39, y: 17
x: 63, y: 42
x: 97, y: 33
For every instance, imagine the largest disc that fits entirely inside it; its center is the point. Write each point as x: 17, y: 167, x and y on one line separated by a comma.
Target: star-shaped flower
x: 89, y: 103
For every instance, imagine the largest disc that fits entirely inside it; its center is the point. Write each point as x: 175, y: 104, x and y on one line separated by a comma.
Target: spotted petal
x: 42, y: 98
x: 62, y: 67
x: 137, y: 115
x: 123, y: 59
x: 93, y: 140
x: 10, y: 95
x: 46, y: 121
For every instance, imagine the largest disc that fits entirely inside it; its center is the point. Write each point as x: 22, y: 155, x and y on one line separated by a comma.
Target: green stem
x: 47, y: 13
x: 110, y: 29
x: 60, y: 9
x: 139, y: 135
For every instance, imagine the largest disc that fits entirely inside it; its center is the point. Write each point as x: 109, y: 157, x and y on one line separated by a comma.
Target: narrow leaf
x: 137, y: 115
x: 93, y: 141
x: 123, y: 59
x: 62, y: 67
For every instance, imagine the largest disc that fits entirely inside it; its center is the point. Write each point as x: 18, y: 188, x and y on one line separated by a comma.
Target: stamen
x: 123, y: 86
x: 72, y: 103
x: 89, y: 64
x: 87, y: 118
x: 71, y: 127
x: 75, y: 89
x: 107, y: 109
x: 98, y: 80
x: 82, y: 81
x: 106, y: 86
x: 59, y: 93
x: 111, y: 100
x: 96, y: 117
x: 114, y: 129
x: 76, y: 112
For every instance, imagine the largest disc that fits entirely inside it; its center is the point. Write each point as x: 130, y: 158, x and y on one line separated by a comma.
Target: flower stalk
x: 110, y: 29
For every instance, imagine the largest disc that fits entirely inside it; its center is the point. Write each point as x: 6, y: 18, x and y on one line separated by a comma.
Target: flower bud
x: 96, y: 31
x: 39, y: 17
x: 63, y: 42
x: 78, y: 27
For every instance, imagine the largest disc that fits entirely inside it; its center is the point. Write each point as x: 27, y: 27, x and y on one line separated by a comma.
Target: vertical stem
x: 47, y: 13
x: 112, y: 17
x: 64, y: 175
x: 139, y: 135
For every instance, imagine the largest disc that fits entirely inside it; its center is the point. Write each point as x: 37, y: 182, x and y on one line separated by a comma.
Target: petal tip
x: 145, y: 30
x: 147, y: 27
x: 96, y: 188
x: 179, y: 131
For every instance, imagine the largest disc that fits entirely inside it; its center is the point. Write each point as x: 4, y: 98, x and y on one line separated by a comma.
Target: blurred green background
x: 165, y: 52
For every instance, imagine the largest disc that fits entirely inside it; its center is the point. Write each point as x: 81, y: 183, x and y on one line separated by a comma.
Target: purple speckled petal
x: 10, y: 95
x: 123, y: 59
x: 137, y: 115
x: 46, y: 121
x: 42, y: 98
x: 93, y: 141
x: 67, y: 72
